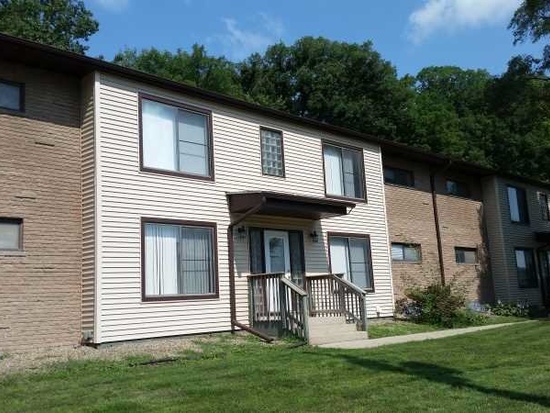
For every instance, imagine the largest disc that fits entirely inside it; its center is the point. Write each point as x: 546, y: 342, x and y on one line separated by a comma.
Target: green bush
x: 511, y: 310
x: 438, y: 305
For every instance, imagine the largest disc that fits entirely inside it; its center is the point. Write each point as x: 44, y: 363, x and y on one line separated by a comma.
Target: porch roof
x: 287, y: 205
x: 542, y: 237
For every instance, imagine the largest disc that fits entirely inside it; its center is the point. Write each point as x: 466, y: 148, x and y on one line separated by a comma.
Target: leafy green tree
x: 531, y: 21
x: 340, y: 83
x: 195, y: 68
x: 61, y: 23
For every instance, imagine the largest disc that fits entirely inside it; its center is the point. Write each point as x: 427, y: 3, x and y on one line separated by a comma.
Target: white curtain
x: 161, y: 259
x: 339, y: 256
x: 397, y: 252
x: 158, y: 132
x: 333, y: 171
x: 197, y: 274
x: 193, y: 143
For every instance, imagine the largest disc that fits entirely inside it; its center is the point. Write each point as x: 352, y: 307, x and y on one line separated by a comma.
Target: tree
x: 195, y: 68
x: 61, y: 23
x: 340, y: 83
x: 532, y: 21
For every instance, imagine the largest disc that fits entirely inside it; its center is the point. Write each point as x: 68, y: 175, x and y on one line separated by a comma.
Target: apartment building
x: 136, y: 207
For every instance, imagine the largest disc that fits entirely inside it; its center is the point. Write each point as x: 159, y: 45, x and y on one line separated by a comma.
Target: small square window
x: 457, y: 188
x: 466, y: 255
x: 398, y: 176
x: 11, y: 234
x: 405, y: 252
x: 11, y: 95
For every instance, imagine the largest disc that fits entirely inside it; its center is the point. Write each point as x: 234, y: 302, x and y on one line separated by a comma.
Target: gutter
x: 436, y: 219
x: 231, y: 254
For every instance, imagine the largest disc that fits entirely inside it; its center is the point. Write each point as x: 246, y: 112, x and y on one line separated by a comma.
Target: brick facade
x: 40, y: 183
x: 410, y: 215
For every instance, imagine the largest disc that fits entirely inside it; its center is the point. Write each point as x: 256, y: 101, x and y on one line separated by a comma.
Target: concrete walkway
x: 377, y: 342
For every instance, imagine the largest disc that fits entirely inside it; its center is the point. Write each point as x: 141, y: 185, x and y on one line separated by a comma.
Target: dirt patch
x: 157, y: 348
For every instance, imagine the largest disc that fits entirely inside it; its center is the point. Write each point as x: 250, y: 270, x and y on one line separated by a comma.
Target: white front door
x: 277, y: 252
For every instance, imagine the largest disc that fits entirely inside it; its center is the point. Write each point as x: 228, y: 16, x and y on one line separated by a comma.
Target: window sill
x: 401, y: 185
x: 13, y: 254
x: 346, y: 198
x: 178, y: 298
x: 406, y: 262
x: 177, y: 174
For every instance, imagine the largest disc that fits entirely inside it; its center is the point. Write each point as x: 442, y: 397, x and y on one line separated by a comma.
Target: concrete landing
x: 377, y: 342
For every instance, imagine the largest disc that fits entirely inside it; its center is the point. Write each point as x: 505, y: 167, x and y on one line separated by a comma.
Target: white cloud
x: 113, y: 5
x: 450, y: 15
x: 240, y: 42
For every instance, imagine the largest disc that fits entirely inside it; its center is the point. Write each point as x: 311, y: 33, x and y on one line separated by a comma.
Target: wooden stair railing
x: 330, y: 295
x: 277, y: 305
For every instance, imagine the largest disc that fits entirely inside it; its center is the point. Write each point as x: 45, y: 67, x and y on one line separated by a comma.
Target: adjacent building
x: 135, y: 207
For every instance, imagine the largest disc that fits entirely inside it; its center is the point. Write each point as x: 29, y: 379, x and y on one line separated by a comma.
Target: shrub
x: 521, y: 309
x: 439, y: 305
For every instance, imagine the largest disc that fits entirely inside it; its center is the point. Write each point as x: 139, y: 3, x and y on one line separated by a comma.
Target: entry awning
x: 542, y: 237
x: 287, y: 205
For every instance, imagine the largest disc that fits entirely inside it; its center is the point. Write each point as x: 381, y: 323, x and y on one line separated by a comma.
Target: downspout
x: 436, y: 220
x: 543, y: 291
x: 231, y: 254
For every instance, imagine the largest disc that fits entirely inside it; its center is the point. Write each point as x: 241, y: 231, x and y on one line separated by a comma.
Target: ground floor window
x: 350, y: 255
x: 179, y: 260
x: 405, y: 252
x: 526, y: 268
x: 11, y: 234
x: 465, y: 255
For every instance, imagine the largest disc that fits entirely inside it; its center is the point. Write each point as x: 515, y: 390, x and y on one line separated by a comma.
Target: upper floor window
x: 465, y: 255
x: 11, y: 234
x: 176, y: 139
x: 344, y: 171
x: 526, y: 268
x: 179, y: 260
x: 350, y: 256
x: 11, y: 95
x: 517, y: 201
x: 544, y: 206
x: 457, y: 188
x: 405, y: 252
x: 272, y: 152
x: 398, y: 176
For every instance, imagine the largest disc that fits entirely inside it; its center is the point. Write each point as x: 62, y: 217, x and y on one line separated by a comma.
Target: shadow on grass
x: 444, y: 375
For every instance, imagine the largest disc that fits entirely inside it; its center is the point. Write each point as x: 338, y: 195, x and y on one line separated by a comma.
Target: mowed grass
x: 381, y: 329
x: 501, y: 370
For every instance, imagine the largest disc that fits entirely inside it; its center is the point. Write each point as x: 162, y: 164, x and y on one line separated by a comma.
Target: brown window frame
x: 357, y: 236
x: 21, y: 87
x: 526, y: 218
x: 418, y: 247
x: 180, y: 297
x: 544, y: 206
x: 459, y: 183
x: 262, y: 128
x: 535, y: 279
x: 469, y: 249
x: 362, y: 166
x: 407, y: 171
x: 189, y: 108
x: 18, y: 221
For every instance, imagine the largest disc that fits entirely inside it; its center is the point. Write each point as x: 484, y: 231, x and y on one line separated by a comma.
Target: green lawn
x: 501, y: 370
x: 381, y: 329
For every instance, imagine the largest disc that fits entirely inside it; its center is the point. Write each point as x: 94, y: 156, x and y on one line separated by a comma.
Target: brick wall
x: 411, y: 220
x: 40, y: 183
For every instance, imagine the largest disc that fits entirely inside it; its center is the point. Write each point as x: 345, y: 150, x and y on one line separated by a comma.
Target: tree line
x: 499, y: 121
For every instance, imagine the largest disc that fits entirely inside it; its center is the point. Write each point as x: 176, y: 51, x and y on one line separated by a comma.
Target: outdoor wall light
x: 241, y: 233
x: 314, y: 236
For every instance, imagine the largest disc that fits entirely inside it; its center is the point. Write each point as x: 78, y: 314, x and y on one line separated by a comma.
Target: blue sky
x: 411, y: 34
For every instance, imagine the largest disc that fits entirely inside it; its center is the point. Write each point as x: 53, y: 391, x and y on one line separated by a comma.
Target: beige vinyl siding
x: 505, y: 236
x: 127, y: 194
x: 88, y: 204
